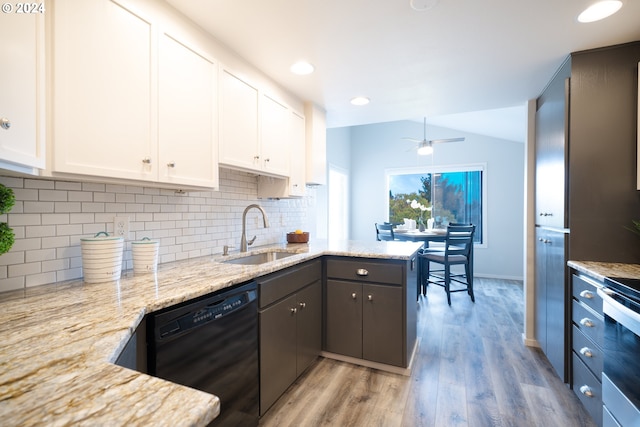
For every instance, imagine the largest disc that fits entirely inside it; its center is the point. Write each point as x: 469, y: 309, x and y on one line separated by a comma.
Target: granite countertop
x: 600, y: 270
x: 59, y: 341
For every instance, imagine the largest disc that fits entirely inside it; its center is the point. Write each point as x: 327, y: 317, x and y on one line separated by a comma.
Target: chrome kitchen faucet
x: 243, y: 240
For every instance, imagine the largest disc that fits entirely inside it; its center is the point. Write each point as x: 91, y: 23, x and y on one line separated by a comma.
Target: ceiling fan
x: 425, y: 147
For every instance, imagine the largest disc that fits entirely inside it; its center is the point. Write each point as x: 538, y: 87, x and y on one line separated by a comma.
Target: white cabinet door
x: 102, y: 111
x: 21, y: 103
x: 275, y: 142
x: 187, y: 131
x: 298, y: 170
x: 238, y: 123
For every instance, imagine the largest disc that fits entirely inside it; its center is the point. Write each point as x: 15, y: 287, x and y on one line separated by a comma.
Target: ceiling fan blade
x: 412, y: 139
x: 437, y: 141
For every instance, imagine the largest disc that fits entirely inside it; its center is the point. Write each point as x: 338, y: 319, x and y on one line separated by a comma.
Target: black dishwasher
x: 211, y: 344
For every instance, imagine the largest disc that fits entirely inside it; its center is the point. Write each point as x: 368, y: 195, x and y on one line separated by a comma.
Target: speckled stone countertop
x: 59, y: 341
x: 600, y: 270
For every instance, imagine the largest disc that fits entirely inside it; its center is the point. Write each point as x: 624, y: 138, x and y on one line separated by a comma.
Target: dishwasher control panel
x: 196, y: 315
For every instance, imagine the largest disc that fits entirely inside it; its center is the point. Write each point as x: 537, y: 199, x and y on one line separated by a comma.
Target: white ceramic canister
x: 145, y: 255
x: 101, y: 257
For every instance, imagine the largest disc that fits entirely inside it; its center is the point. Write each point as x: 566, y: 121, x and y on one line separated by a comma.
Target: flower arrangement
x: 416, y: 205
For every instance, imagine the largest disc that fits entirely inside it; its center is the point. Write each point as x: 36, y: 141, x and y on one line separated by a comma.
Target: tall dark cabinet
x: 586, y: 142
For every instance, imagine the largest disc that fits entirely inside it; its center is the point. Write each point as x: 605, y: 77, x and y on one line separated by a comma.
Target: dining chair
x: 458, y: 251
x: 384, y: 232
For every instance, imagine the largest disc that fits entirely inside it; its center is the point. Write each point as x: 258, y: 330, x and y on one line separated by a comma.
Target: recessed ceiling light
x: 599, y: 10
x: 301, y: 68
x: 422, y: 5
x: 360, y: 100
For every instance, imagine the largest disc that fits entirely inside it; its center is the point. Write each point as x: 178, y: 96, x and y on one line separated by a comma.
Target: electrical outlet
x: 121, y: 226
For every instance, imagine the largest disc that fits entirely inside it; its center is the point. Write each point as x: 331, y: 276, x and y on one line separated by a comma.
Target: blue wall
x: 375, y: 148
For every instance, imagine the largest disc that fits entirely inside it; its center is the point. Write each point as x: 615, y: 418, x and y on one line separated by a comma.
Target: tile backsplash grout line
x: 50, y: 216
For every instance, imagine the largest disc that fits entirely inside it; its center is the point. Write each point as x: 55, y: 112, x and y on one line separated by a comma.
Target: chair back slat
x: 459, y: 240
x: 384, y: 232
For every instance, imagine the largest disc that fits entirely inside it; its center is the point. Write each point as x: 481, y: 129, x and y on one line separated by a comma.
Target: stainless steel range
x: 621, y: 373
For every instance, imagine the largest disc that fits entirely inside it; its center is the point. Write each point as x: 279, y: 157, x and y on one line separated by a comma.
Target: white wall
x: 377, y: 147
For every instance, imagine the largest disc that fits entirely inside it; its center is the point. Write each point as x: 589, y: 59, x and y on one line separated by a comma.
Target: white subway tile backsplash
x: 50, y: 217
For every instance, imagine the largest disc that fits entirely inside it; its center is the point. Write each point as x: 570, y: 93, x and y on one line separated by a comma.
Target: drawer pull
x: 303, y: 305
x: 586, y: 351
x: 294, y: 310
x: 353, y: 295
x: 587, y: 294
x: 586, y: 390
x: 362, y: 272
x: 370, y: 297
x: 587, y: 322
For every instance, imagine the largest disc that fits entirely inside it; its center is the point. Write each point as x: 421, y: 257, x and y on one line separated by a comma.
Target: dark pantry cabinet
x: 586, y: 142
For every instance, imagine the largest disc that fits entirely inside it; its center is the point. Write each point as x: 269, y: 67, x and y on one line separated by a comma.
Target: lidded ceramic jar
x: 145, y: 255
x: 101, y: 257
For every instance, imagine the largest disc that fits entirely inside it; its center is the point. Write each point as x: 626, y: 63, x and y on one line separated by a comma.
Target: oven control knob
x: 586, y: 351
x: 586, y: 390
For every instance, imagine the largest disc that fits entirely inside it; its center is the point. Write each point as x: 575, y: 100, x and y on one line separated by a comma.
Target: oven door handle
x: 618, y: 312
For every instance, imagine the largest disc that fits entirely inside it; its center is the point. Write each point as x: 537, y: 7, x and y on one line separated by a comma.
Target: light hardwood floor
x: 471, y: 369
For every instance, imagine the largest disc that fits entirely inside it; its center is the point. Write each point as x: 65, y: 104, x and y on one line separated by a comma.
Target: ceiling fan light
x: 425, y: 149
x: 599, y: 10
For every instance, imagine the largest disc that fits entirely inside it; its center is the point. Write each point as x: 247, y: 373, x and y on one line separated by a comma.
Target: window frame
x: 450, y: 168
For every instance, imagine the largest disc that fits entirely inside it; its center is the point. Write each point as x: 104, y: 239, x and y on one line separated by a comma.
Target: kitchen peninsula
x: 60, y: 340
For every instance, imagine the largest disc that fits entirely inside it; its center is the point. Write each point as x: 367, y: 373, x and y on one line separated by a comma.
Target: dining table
x: 426, y: 236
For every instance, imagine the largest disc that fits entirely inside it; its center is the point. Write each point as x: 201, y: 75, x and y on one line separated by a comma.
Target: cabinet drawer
x: 588, y: 389
x: 588, y: 352
x: 365, y: 271
x: 278, y: 285
x: 586, y: 293
x: 590, y: 323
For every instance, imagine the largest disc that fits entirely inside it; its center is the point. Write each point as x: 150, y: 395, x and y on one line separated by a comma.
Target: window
x: 444, y: 194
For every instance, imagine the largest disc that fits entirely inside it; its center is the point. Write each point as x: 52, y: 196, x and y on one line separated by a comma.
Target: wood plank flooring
x: 471, y: 369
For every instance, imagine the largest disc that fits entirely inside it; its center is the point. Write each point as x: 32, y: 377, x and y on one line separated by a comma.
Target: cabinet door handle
x: 586, y: 294
x: 586, y: 390
x: 303, y: 305
x: 171, y: 164
x: 586, y: 351
x: 353, y: 295
x: 294, y: 310
x: 362, y: 272
x: 5, y: 123
x: 146, y: 161
x: 370, y: 297
x: 587, y: 322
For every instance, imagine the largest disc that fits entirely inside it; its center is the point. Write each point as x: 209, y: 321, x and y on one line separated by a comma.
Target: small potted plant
x: 7, y: 200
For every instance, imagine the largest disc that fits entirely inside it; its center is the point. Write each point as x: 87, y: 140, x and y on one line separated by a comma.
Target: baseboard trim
x: 375, y: 365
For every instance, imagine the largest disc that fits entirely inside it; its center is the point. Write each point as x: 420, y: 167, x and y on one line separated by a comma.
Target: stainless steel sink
x: 259, y: 258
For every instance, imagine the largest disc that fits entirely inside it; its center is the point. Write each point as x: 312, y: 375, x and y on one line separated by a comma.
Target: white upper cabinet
x: 131, y: 102
x: 102, y: 109
x: 22, y: 117
x: 316, y: 144
x: 275, y: 144
x: 187, y: 113
x: 298, y: 159
x: 254, y: 128
x: 238, y: 122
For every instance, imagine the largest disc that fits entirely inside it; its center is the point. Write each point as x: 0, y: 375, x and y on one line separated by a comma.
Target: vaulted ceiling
x: 464, y: 64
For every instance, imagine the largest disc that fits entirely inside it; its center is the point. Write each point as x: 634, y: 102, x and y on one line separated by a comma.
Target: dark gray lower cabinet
x: 365, y: 321
x: 370, y: 313
x: 290, y: 316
